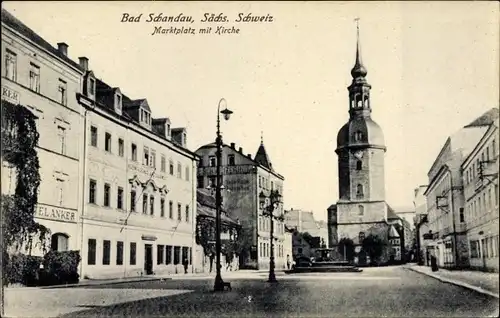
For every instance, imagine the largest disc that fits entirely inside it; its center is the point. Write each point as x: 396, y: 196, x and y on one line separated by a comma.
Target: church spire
x: 359, y: 69
x: 261, y: 157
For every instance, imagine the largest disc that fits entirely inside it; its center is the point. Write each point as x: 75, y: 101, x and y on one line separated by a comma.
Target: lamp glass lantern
x: 226, y: 113
x: 262, y: 199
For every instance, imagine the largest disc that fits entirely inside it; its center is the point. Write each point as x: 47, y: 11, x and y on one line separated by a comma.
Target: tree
x: 19, y: 138
x: 346, y: 248
x: 374, y: 247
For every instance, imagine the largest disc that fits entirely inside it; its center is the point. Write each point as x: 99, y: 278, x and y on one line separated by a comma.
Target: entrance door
x: 148, y: 259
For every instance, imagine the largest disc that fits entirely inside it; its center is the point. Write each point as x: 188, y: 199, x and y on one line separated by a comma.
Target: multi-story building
x: 421, y: 224
x: 244, y: 178
x: 445, y: 199
x: 44, y: 80
x: 480, y: 180
x: 407, y: 213
x: 139, y: 207
x: 304, y: 221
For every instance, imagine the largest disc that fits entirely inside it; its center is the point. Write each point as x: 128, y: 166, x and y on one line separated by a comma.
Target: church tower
x: 360, y: 149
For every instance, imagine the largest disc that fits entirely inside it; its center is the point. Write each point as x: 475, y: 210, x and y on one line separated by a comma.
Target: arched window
x: 358, y: 135
x: 359, y: 165
x: 361, y: 210
x: 359, y: 191
x: 360, y: 103
x: 59, y: 242
x: 367, y: 102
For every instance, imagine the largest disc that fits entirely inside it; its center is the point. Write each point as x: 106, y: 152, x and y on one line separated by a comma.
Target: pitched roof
x: 485, y: 119
x: 20, y: 27
x: 262, y: 158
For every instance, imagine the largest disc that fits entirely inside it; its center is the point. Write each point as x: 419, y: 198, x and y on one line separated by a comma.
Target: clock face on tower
x: 358, y: 154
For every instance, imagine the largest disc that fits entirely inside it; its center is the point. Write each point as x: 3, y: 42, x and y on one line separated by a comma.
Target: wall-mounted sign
x: 148, y: 171
x: 10, y: 95
x: 237, y: 169
x: 55, y: 213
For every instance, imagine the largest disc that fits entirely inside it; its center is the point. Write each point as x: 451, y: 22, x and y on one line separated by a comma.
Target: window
x: 119, y: 253
x: 133, y: 246
x: 62, y: 92
x: 11, y: 65
x: 496, y: 194
x: 107, y: 142
x: 487, y: 154
x: 118, y: 102
x: 152, y: 160
x: 91, y: 86
x: 59, y: 191
x: 144, y: 203
x: 134, y: 152
x: 151, y: 205
x: 190, y: 255
x: 91, y: 251
x: 107, y: 188
x: 171, y: 209
x: 177, y: 254
x: 34, y: 77
x: 200, y: 182
x: 212, y: 161
x: 462, y: 215
x: 359, y: 165
x: 160, y: 252
x: 162, y: 207
x: 361, y: 210
x: 132, y: 200
x: 187, y: 173
x: 120, y: 147
x: 187, y: 213
x: 212, y: 182
x: 171, y: 167
x: 93, y: 136
x: 179, y: 171
x: 59, y: 242
x: 92, y: 191
x: 145, y: 160
x: 168, y: 256
x: 179, y: 212
x: 358, y: 136
x: 359, y: 191
x: 61, y: 135
x: 230, y: 160
x: 163, y: 164
x: 185, y: 252
x: 119, y: 198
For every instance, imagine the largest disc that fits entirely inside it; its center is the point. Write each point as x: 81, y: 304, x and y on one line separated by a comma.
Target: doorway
x: 148, y: 259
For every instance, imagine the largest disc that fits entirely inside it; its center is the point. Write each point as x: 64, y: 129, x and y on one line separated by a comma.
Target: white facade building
x: 139, y: 212
x: 44, y: 80
x: 480, y: 179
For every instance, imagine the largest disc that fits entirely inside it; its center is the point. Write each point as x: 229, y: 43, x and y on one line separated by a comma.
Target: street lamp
x: 274, y: 201
x: 219, y: 283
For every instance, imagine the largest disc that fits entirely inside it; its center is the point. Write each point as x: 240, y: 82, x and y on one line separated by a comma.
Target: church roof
x: 262, y: 158
x: 361, y: 131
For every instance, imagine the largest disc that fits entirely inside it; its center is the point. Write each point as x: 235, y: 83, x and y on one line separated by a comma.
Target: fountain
x: 325, y: 260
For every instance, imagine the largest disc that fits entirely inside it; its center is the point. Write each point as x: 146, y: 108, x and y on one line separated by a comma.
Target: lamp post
x: 274, y: 201
x: 219, y: 283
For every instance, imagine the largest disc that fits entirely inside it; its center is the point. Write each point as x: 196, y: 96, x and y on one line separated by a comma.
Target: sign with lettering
x: 238, y: 169
x: 237, y: 184
x: 148, y: 171
x: 10, y: 95
x: 55, y: 213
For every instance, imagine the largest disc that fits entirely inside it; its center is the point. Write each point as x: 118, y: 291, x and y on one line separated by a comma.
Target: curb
x: 90, y: 283
x: 457, y: 283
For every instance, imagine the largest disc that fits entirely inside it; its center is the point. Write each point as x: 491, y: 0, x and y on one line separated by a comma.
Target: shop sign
x: 10, y: 95
x: 55, y: 213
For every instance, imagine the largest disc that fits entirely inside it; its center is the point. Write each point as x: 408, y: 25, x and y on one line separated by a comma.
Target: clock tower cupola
x: 360, y: 143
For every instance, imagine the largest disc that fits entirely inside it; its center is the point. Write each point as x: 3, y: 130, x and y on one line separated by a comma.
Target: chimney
x: 84, y: 63
x: 249, y: 156
x: 63, y: 48
x: 233, y: 145
x: 240, y: 150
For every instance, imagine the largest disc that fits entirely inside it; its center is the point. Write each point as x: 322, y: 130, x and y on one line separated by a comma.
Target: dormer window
x: 118, y: 103
x: 90, y: 84
x: 145, y: 117
x: 168, y: 129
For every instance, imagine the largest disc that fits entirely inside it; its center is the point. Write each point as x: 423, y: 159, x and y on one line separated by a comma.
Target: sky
x: 433, y: 67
